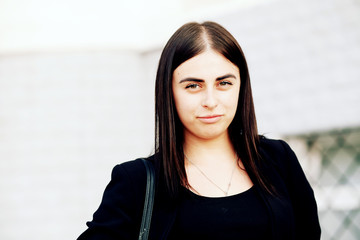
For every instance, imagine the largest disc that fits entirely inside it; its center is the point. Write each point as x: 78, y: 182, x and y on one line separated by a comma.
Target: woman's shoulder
x: 275, y: 144
x: 132, y: 169
x: 279, y: 154
x: 275, y: 147
x: 121, y: 204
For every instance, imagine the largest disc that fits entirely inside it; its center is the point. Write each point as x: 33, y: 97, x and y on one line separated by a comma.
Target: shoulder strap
x: 149, y: 200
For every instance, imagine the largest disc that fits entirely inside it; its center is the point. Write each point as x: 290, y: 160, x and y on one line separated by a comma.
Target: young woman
x: 216, y: 178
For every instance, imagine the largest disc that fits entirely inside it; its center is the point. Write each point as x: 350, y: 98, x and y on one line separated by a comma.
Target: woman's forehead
x: 207, y: 63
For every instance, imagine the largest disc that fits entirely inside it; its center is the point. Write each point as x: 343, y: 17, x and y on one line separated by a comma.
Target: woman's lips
x: 210, y: 119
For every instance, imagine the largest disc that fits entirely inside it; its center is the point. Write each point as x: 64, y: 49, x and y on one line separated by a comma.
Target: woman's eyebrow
x: 191, y: 80
x: 225, y: 76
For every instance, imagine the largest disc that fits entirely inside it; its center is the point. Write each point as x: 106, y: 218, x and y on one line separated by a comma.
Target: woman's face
x: 206, y: 91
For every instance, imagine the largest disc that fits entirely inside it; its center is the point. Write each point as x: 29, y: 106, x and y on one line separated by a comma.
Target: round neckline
x: 191, y: 193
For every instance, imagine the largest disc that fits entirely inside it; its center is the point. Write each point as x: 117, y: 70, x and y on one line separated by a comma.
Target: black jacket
x: 293, y: 213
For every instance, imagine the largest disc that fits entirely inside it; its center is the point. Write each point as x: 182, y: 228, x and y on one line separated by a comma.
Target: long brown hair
x: 188, y: 41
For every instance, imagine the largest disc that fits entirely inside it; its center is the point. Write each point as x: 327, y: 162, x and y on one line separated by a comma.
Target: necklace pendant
x: 226, y: 193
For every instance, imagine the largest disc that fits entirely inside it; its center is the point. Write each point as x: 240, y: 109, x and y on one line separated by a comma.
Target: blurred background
x: 77, y: 95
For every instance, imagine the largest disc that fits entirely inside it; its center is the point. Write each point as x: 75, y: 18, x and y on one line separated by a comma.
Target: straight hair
x: 188, y: 41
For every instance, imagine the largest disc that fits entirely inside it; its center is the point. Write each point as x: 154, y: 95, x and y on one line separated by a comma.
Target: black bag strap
x: 149, y: 200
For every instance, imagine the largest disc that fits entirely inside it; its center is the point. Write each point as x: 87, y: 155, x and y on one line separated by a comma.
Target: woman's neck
x: 205, y: 151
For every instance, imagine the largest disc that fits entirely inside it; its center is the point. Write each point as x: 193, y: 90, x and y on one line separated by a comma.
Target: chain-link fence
x: 331, y: 161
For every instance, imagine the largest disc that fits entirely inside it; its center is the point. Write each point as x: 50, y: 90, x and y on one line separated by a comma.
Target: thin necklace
x: 226, y: 192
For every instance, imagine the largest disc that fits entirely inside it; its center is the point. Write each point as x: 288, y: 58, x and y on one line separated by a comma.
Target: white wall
x: 304, y: 60
x: 66, y: 120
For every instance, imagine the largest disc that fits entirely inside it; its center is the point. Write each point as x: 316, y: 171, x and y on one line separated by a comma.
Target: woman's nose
x: 209, y: 99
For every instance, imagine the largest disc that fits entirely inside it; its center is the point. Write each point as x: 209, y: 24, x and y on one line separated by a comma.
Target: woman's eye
x: 192, y: 86
x: 224, y: 83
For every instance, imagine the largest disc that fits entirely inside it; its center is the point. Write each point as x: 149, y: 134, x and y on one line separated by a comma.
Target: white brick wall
x: 304, y: 60
x: 65, y: 121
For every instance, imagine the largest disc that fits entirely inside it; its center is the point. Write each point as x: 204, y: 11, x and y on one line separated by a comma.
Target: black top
x: 292, y: 213
x: 240, y: 216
